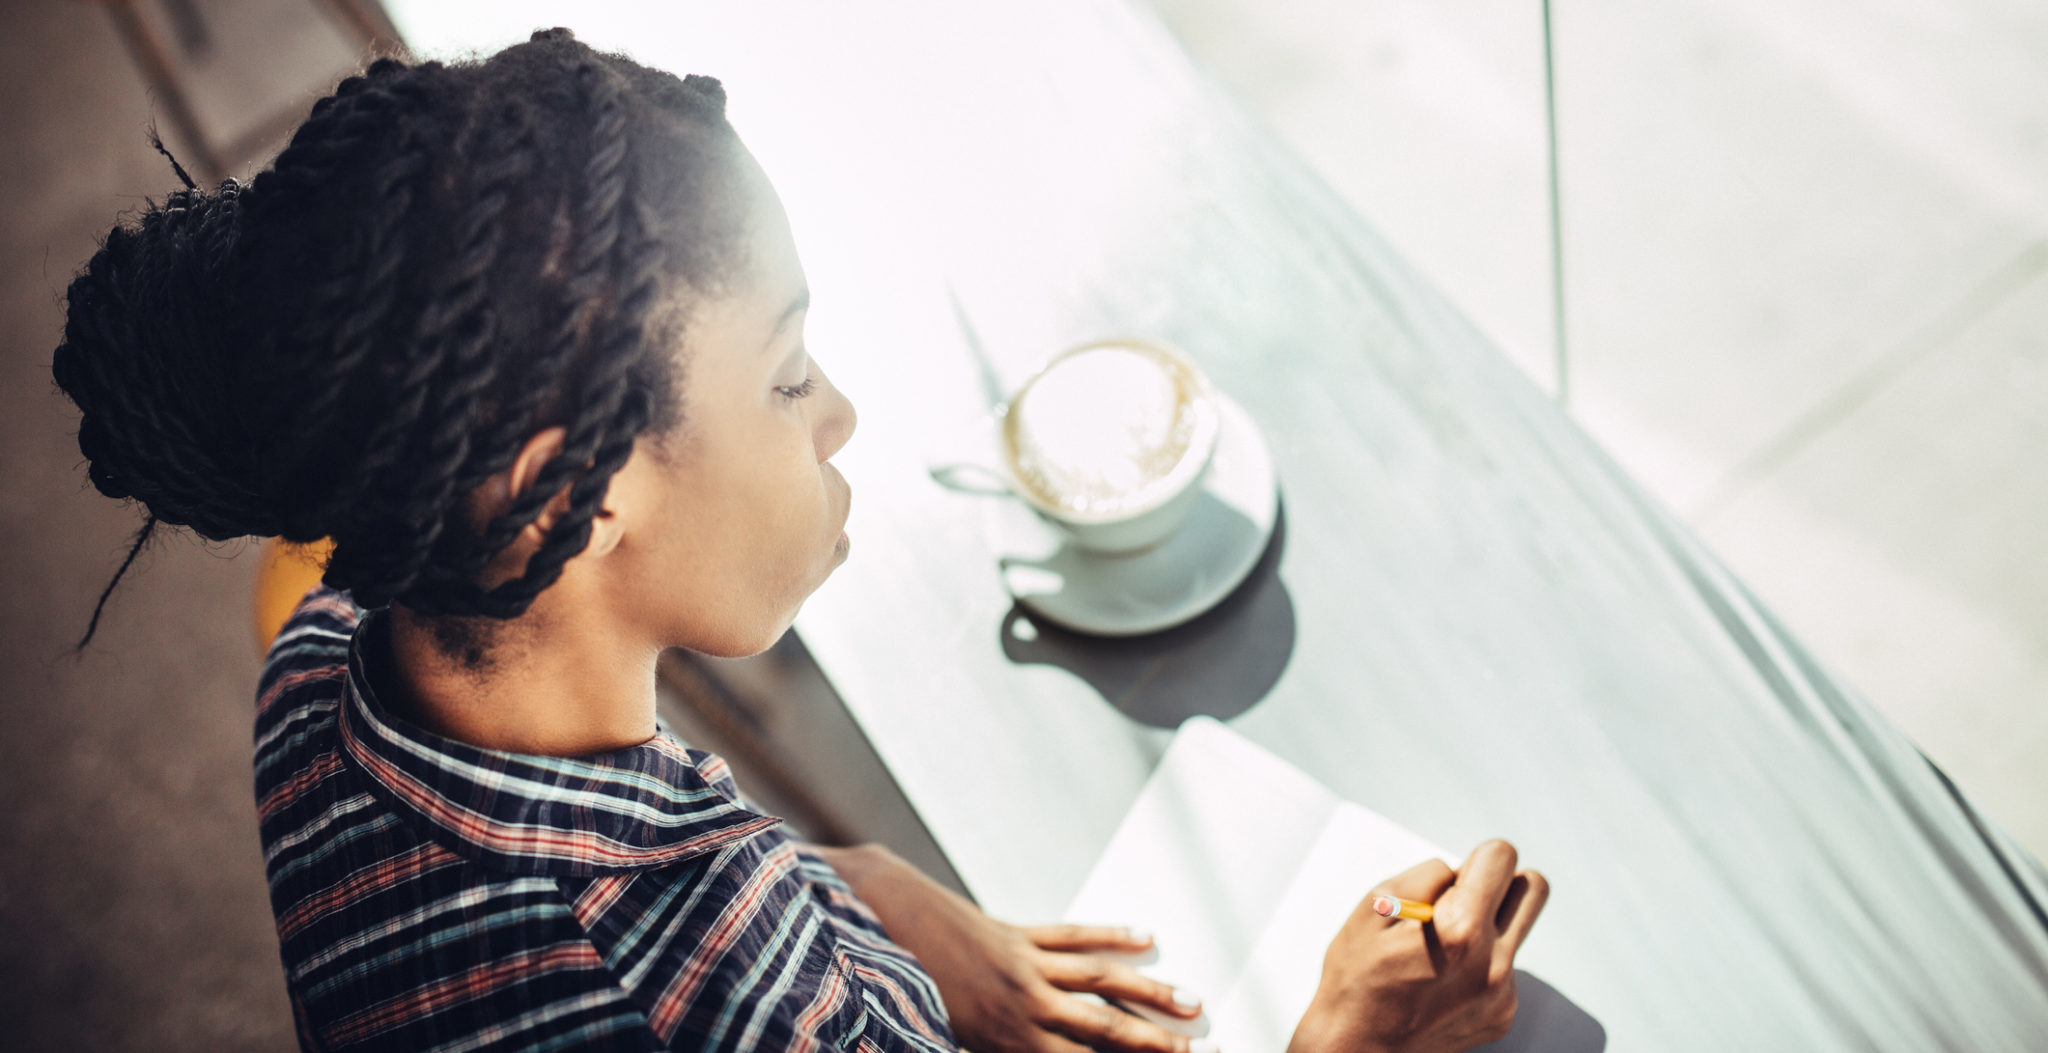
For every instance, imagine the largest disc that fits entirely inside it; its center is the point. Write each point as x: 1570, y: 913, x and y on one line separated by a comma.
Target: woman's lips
x: 845, y: 510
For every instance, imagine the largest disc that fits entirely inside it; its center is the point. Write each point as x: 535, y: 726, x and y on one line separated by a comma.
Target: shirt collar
x: 642, y: 806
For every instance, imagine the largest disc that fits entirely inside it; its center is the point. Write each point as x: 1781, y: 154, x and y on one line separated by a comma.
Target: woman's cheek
x: 789, y: 512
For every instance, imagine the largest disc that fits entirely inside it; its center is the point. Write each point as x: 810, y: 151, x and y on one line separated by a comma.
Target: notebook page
x: 1217, y: 833
x: 1358, y: 848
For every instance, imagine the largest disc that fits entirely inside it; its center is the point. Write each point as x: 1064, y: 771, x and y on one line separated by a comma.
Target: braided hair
x: 444, y: 261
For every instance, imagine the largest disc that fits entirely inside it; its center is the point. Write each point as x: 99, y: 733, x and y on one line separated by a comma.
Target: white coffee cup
x: 1108, y: 443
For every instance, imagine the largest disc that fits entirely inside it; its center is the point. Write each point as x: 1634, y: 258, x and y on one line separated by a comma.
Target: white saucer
x: 1163, y: 586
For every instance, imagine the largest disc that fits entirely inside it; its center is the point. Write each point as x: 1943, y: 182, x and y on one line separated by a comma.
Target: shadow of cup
x: 970, y: 477
x: 1547, y: 1022
x: 1218, y: 665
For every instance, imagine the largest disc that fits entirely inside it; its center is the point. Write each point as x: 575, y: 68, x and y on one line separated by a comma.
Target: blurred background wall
x: 1806, y: 302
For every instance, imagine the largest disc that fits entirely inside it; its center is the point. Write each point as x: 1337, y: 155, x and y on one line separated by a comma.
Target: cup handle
x: 970, y: 477
x: 968, y: 463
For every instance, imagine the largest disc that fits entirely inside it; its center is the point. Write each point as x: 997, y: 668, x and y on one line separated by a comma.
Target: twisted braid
x: 615, y: 248
x: 594, y: 216
x: 444, y: 261
x: 371, y: 129
x: 135, y: 293
x: 594, y: 258
x: 132, y: 293
x: 449, y: 369
x: 362, y: 292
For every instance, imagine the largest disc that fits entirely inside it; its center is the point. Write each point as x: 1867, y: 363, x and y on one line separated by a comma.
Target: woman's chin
x: 750, y: 644
x: 746, y: 647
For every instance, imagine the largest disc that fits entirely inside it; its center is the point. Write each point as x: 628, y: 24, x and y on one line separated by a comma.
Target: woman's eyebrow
x: 796, y: 307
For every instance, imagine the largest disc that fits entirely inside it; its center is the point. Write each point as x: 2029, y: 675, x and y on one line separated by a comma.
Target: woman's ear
x: 627, y: 492
x: 628, y: 489
x: 535, y: 455
x: 495, y: 497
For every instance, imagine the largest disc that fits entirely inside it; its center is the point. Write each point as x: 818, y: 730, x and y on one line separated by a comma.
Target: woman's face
x: 726, y: 524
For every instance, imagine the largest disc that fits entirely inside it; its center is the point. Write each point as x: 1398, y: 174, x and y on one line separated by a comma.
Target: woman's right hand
x: 1422, y: 987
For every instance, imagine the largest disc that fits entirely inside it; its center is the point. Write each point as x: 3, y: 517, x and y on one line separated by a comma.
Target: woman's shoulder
x: 304, y: 678
x: 312, y: 646
x: 323, y: 610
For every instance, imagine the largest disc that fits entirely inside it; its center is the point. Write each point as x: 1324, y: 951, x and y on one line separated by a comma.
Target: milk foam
x: 1102, y: 429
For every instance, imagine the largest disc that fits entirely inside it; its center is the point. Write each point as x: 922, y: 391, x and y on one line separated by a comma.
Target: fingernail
x: 1138, y: 935
x: 1186, y: 999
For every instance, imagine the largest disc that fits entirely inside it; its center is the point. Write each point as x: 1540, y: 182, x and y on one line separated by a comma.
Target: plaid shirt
x: 435, y: 896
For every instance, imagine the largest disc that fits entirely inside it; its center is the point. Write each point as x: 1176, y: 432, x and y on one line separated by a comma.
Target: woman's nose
x: 835, y: 419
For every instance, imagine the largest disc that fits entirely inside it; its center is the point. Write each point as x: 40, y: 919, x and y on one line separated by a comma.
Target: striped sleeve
x: 755, y: 960
x: 833, y: 893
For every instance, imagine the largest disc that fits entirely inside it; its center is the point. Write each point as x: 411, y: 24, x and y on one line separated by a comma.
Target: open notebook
x: 1244, y: 867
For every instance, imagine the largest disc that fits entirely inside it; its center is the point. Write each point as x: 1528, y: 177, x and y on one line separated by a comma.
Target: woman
x: 524, y: 337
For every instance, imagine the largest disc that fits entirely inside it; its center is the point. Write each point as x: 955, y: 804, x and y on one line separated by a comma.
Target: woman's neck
x: 550, y: 685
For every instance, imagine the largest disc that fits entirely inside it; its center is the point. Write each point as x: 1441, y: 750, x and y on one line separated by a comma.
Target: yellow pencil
x: 1396, y: 907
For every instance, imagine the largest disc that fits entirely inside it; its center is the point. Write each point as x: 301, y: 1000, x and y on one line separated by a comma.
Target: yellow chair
x: 288, y: 572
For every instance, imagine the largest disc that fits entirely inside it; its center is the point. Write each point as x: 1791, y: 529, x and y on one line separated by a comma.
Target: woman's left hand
x: 1008, y: 987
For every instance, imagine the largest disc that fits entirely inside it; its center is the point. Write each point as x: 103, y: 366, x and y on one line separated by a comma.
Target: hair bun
x: 150, y: 359
x: 710, y: 88
x: 444, y: 260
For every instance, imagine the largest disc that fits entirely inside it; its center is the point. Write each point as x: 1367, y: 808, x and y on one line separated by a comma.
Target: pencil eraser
x: 1386, y: 906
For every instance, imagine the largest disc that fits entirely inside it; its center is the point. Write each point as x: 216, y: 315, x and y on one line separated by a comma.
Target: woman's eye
x: 809, y: 385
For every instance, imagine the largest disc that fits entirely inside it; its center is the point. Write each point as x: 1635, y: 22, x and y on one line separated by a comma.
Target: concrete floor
x: 1819, y: 335
x: 133, y: 910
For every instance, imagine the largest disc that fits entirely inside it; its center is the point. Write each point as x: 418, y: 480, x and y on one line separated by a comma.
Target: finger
x: 1466, y: 910
x: 1113, y: 979
x: 1525, y: 900
x: 1088, y: 938
x: 1423, y: 882
x: 1518, y: 887
x: 1047, y: 1042
x: 1106, y: 1027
